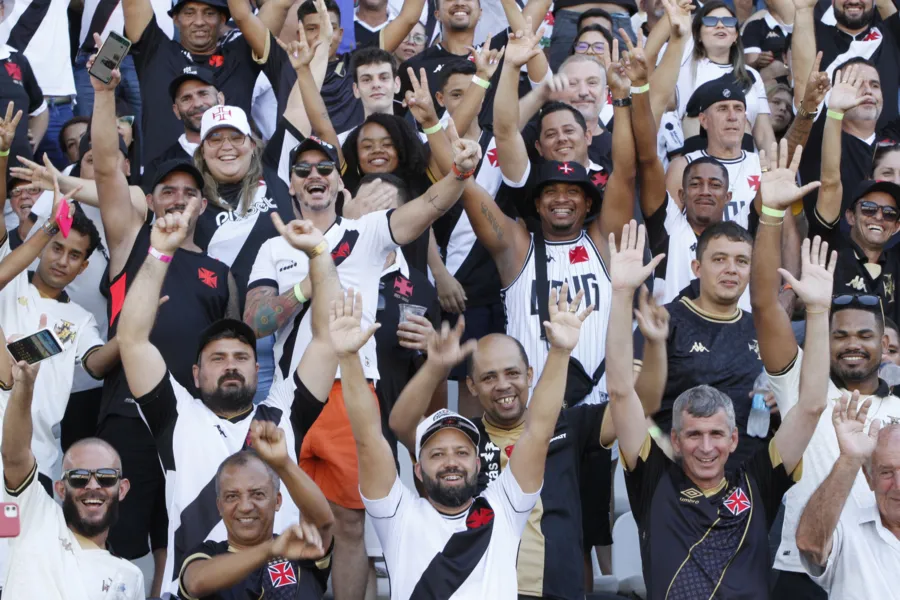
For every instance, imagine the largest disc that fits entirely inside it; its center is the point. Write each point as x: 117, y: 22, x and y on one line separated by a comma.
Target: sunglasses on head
x: 869, y: 209
x: 79, y: 478
x: 303, y: 169
x: 709, y: 21
x: 864, y: 301
x: 126, y: 120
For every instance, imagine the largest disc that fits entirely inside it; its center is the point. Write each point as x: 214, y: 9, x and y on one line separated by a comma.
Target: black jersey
x: 706, y: 545
x: 767, y: 35
x: 703, y: 349
x: 551, y: 561
x: 197, y: 287
x: 278, y: 579
x: 19, y: 86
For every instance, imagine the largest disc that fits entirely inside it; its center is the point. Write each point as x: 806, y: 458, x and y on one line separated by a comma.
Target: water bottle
x: 758, y: 422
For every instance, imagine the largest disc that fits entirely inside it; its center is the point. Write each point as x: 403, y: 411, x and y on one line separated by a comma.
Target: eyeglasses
x: 217, y: 138
x: 22, y: 191
x: 869, y: 209
x: 303, y: 169
x: 418, y: 39
x: 710, y: 21
x: 126, y: 120
x: 79, y: 478
x: 584, y: 47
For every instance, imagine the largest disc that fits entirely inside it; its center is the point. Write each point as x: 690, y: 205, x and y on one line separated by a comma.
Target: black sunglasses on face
x: 709, y: 21
x: 870, y: 209
x: 79, y: 478
x: 303, y: 169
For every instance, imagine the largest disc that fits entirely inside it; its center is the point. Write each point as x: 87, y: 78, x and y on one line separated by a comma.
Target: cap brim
x: 451, y: 422
x: 242, y: 329
x: 175, y: 9
x: 176, y: 83
x: 590, y: 190
x: 179, y: 167
x: 311, y: 144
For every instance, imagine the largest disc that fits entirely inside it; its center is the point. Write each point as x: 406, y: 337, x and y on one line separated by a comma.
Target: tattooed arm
x: 504, y: 238
x: 267, y: 312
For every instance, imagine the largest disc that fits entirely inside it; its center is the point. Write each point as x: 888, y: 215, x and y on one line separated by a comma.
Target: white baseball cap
x: 217, y: 117
x: 441, y: 420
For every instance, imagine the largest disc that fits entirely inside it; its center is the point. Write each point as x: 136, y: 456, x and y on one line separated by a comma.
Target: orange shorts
x: 328, y: 452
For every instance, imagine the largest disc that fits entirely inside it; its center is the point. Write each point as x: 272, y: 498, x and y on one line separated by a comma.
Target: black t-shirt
x: 344, y: 110
x: 554, y: 552
x: 175, y: 151
x: 762, y: 36
x: 629, y: 5
x: 19, y: 86
x: 15, y: 240
x: 197, y: 287
x: 699, y: 546
x: 159, y: 59
x: 364, y: 35
x: 722, y: 353
x: 279, y: 579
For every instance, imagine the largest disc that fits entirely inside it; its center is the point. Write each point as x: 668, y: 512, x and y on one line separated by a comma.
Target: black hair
x: 882, y: 150
x: 889, y: 324
x: 456, y: 67
x: 470, y: 361
x: 83, y: 225
x: 735, y: 54
x: 552, y: 107
x: 703, y: 160
x: 412, y: 159
x: 590, y: 14
x: 728, y: 229
x: 856, y: 60
x: 73, y: 121
x: 240, y: 459
x: 391, y: 179
x: 309, y: 8
x: 595, y: 28
x: 371, y: 55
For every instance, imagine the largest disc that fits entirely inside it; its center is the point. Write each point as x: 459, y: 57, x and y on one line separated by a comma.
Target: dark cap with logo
x: 314, y: 143
x: 177, y: 165
x: 869, y: 185
x: 566, y: 172
x: 191, y: 73
x: 238, y: 330
x: 444, y: 419
x: 718, y: 90
x: 85, y: 146
x: 222, y: 5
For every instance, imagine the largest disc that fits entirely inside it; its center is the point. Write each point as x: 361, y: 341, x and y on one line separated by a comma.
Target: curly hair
x: 412, y: 157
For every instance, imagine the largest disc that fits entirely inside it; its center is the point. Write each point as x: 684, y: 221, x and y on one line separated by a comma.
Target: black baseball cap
x: 222, y: 5
x: 85, y: 145
x: 566, y: 172
x: 718, y: 90
x: 240, y: 330
x: 191, y: 73
x: 176, y: 165
x: 869, y: 185
x: 314, y: 143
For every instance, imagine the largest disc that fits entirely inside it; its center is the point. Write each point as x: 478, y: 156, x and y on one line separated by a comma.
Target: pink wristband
x: 159, y: 255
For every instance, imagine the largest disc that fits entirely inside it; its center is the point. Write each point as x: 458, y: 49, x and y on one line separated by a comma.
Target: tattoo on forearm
x: 797, y: 134
x: 433, y: 201
x: 267, y: 312
x: 495, y: 224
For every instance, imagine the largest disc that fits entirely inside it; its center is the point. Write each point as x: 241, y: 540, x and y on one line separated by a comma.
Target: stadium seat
x: 626, y: 556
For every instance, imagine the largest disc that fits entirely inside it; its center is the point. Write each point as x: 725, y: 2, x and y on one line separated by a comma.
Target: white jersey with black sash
x: 578, y: 263
x: 744, y: 174
x: 431, y: 555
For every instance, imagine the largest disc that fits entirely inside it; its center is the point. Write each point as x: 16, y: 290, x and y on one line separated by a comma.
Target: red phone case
x: 63, y: 219
x: 9, y: 520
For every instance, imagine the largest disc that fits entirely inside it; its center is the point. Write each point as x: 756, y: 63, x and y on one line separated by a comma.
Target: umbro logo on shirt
x: 690, y: 496
x: 698, y: 347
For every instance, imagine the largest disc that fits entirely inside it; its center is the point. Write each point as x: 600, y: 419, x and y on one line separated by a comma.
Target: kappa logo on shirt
x: 344, y: 247
x: 857, y: 283
x: 772, y: 34
x: 698, y: 347
x: 208, y: 277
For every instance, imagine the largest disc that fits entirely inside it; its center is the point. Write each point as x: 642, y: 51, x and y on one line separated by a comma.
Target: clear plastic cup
x: 411, y: 309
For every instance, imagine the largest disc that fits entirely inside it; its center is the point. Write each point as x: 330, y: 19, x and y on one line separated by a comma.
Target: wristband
x: 833, y: 114
x: 775, y: 224
x: 320, y: 248
x: 462, y: 175
x: 4, y: 152
x: 298, y: 294
x: 481, y: 82
x: 159, y: 255
x: 816, y: 312
x: 805, y: 114
x: 772, y: 212
x: 640, y: 89
x: 622, y: 102
x: 432, y: 130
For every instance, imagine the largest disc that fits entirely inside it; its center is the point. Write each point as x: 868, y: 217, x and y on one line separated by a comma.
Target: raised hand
x: 616, y: 75
x: 557, y: 89
x: 377, y: 195
x: 23, y: 373
x: 59, y: 199
x: 816, y: 276
x: 347, y: 336
x: 267, y: 439
x: 805, y: 4
x: 326, y: 30
x: 39, y: 175
x: 298, y: 542
x: 443, y: 347
x: 486, y: 60
x: 299, y: 233
x: 413, y: 333
x: 523, y: 45
x: 8, y: 127
x: 170, y: 231
x: 564, y: 325
x: 652, y: 318
x: 466, y: 153
x: 845, y: 94
x: 419, y: 101
x: 817, y: 86
x: 637, y: 68
x: 626, y: 264
x: 850, y: 424
x: 679, y: 18
x: 115, y: 74
x: 779, y: 187
x: 299, y: 51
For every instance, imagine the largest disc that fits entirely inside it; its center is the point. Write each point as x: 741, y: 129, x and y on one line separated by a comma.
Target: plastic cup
x: 411, y: 309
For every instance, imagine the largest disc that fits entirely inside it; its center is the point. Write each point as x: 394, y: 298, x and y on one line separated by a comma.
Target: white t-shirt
x: 49, y: 561
x: 864, y: 560
x: 744, y: 179
x: 706, y: 70
x: 359, y: 248
x: 819, y: 458
x: 116, y: 21
x: 47, y: 48
x: 412, y: 532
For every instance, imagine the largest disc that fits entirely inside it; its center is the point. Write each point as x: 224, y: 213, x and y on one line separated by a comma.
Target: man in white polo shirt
x: 453, y: 543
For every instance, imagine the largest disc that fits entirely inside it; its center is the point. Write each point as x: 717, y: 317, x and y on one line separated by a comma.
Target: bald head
x: 495, y: 345
x: 91, y: 453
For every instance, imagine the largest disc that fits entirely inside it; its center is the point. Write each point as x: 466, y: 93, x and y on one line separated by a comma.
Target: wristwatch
x: 805, y: 114
x: 620, y: 102
x: 50, y: 228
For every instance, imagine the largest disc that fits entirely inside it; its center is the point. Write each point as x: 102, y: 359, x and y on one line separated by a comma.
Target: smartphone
x: 36, y: 347
x: 9, y: 520
x: 63, y: 219
x: 111, y: 55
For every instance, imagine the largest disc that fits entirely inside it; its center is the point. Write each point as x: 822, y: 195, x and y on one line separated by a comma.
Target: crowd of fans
x: 654, y: 237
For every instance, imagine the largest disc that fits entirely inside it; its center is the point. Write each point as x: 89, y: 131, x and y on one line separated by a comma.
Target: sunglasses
x: 709, y: 21
x: 126, y: 120
x: 584, y: 47
x: 303, y: 169
x: 79, y: 478
x: 864, y: 301
x: 869, y: 209
x: 217, y: 138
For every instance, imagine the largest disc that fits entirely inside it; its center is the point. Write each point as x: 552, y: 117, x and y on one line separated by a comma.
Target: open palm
x: 347, y: 334
x: 627, y: 268
x: 817, y: 275
x: 444, y: 348
x: 849, y: 425
x: 564, y: 325
x: 778, y: 186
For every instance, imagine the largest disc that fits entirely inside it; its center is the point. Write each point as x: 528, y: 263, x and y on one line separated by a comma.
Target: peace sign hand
x: 486, y: 60
x: 466, y: 152
x: 817, y: 86
x: 419, y: 99
x: 300, y: 234
x: 616, y: 75
x: 634, y: 60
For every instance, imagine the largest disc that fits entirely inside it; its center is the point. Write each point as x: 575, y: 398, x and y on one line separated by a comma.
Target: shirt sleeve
x: 759, y: 90
x: 522, y: 180
x: 753, y: 37
x: 505, y: 491
x: 88, y: 342
x: 785, y: 386
x: 766, y: 468
x: 37, y: 510
x: 159, y: 409
x: 642, y: 478
x: 263, y: 273
x: 378, y: 226
x: 36, y: 104
x: 146, y: 48
x: 824, y: 576
x: 204, y: 551
x: 388, y: 512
